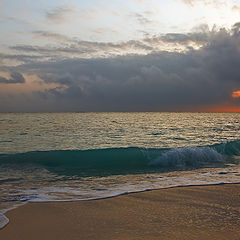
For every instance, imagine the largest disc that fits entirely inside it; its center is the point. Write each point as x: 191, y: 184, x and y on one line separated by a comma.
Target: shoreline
x: 185, y: 212
x: 6, y: 219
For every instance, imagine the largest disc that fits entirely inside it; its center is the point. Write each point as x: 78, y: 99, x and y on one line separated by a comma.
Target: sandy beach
x: 201, y: 212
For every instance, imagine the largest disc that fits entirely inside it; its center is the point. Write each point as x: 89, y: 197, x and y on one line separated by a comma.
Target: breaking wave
x: 126, y: 160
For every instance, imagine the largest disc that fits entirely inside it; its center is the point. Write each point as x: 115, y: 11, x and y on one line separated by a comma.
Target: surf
x: 126, y: 160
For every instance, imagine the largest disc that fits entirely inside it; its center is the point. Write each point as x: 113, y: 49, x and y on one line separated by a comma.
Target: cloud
x: 51, y: 35
x: 194, y: 2
x: 236, y: 8
x: 200, y: 35
x: 65, y: 47
x: 22, y: 58
x: 141, y: 19
x: 20, y: 21
x: 15, y: 77
x: 59, y: 15
x: 215, y: 3
x: 159, y: 81
x: 236, y: 94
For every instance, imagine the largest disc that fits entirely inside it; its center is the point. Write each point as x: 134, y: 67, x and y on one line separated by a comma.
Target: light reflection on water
x: 26, y: 132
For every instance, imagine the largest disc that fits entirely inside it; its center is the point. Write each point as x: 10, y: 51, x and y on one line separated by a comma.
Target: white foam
x: 187, y: 156
x: 113, y: 186
x: 118, y: 185
x: 3, y: 220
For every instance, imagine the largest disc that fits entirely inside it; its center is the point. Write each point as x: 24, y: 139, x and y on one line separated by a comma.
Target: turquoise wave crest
x: 126, y: 160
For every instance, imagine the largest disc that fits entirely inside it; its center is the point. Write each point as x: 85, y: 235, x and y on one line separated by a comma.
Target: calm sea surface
x: 76, y: 156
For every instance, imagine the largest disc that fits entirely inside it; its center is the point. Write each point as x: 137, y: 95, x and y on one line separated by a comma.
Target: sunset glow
x: 223, y: 108
x: 236, y: 94
x: 130, y: 56
x: 111, y: 99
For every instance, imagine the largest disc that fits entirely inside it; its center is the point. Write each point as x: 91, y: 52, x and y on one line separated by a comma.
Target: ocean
x: 84, y: 156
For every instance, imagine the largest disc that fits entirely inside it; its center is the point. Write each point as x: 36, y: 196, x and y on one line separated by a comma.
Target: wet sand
x: 191, y: 213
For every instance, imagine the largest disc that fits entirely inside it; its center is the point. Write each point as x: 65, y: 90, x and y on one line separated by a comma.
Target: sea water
x: 82, y: 156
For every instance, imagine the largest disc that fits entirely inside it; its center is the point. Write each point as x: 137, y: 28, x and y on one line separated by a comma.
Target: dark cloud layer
x: 14, y: 78
x: 159, y: 81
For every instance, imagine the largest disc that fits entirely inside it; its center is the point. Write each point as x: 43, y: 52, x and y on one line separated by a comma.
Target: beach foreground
x: 199, y: 212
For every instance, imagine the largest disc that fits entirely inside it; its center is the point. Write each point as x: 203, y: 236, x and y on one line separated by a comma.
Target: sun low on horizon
x: 102, y: 55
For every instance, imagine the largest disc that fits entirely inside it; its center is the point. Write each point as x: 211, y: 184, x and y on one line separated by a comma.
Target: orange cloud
x: 236, y: 94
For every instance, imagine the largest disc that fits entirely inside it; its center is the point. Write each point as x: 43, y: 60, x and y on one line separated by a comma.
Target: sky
x: 116, y: 55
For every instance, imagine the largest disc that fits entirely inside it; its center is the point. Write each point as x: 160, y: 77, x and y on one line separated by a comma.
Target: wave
x: 126, y: 160
x: 6, y: 180
x: 188, y: 156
